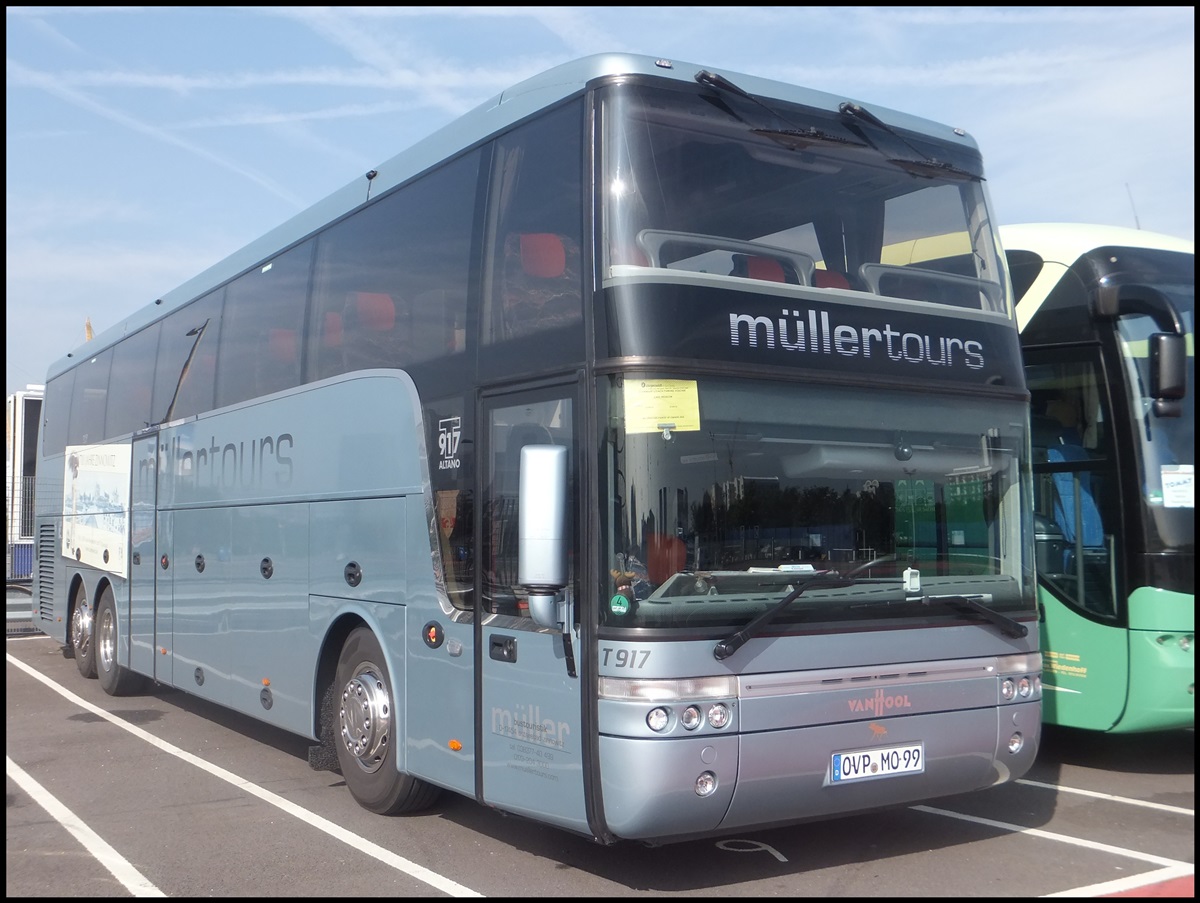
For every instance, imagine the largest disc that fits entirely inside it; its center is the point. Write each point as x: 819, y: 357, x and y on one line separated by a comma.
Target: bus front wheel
x: 114, y: 679
x: 366, y: 729
x: 82, y: 625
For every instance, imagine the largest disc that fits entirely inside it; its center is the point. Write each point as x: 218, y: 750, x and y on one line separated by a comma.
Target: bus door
x: 1077, y: 524
x: 143, y: 558
x: 530, y: 736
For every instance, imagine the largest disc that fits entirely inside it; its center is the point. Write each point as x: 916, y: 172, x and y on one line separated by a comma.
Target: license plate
x: 881, y: 762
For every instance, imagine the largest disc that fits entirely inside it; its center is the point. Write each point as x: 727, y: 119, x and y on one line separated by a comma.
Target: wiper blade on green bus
x: 738, y: 638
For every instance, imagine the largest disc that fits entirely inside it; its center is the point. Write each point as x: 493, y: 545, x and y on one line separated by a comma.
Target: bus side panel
x: 355, y: 555
x: 441, y: 696
x: 1085, y: 668
x: 251, y: 641
x: 204, y: 587
x: 274, y: 651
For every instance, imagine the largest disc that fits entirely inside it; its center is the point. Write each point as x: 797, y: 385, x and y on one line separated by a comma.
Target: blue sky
x: 147, y: 143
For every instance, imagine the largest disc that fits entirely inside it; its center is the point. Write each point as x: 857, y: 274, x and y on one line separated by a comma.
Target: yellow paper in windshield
x: 655, y: 405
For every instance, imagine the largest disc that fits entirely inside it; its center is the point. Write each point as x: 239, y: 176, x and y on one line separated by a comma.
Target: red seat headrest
x: 543, y: 255
x: 765, y: 268
x: 830, y: 279
x: 376, y: 311
x: 665, y: 555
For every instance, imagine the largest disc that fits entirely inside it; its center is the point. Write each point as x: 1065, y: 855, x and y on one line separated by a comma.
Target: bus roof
x: 1059, y: 245
x: 1066, y: 242
x: 490, y: 117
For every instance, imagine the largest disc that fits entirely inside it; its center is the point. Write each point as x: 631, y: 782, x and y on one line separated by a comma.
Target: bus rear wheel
x: 82, y: 630
x: 365, y: 725
x: 114, y: 679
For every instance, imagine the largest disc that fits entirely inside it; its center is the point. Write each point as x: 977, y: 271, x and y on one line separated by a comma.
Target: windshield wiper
x: 927, y: 167
x: 797, y: 138
x: 930, y: 169
x: 974, y: 603
x: 737, y: 639
x: 801, y: 139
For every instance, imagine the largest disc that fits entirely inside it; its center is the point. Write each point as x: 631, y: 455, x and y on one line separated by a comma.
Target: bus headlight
x: 1025, y: 687
x: 657, y: 719
x: 690, y: 718
x: 1007, y: 688
x: 718, y: 714
x: 1015, y: 742
x: 706, y: 784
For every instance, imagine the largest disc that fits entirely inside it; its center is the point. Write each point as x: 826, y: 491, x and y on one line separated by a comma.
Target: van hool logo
x: 449, y: 436
x: 815, y: 334
x: 880, y: 702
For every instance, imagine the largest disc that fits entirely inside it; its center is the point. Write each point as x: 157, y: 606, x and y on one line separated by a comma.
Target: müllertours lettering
x: 813, y: 332
x: 227, y: 465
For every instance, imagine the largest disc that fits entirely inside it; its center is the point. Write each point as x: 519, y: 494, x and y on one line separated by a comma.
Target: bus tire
x: 82, y: 634
x: 366, y: 734
x: 114, y: 679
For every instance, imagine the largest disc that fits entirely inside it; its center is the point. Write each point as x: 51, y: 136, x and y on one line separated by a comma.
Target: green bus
x: 1107, y: 318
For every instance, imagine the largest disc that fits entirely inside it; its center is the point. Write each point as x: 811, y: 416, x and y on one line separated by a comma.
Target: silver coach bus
x: 618, y: 455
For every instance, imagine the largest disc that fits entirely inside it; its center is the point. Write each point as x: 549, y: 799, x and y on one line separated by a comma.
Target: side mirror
x: 542, y: 527
x: 1168, y: 373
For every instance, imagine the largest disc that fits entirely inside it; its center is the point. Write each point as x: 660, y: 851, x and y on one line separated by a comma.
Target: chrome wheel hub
x: 106, y: 640
x: 81, y: 629
x: 365, y: 717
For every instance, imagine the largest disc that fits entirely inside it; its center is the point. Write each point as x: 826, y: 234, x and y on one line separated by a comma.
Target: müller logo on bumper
x: 815, y: 334
x: 880, y: 702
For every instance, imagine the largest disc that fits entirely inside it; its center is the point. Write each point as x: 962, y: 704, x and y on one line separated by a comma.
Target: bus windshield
x: 715, y: 184
x: 728, y: 494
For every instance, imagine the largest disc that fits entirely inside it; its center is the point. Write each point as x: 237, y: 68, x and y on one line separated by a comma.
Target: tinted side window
x: 535, y: 255
x: 260, y: 334
x: 133, y: 381
x: 390, y: 286
x: 57, y: 412
x: 187, y: 360
x: 90, y: 400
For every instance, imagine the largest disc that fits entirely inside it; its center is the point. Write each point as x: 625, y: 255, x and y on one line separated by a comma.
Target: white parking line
x: 1123, y: 885
x: 1171, y: 868
x: 360, y: 844
x: 1145, y: 804
x: 1061, y: 838
x: 133, y: 880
